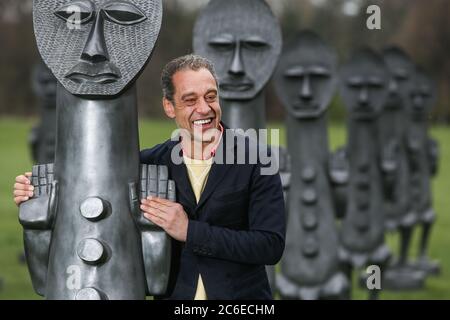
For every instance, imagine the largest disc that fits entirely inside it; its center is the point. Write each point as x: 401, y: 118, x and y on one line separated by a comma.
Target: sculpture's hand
x: 37, y: 211
x: 339, y: 175
x: 23, y: 189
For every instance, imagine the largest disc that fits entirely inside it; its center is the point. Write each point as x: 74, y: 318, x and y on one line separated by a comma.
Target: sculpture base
x: 429, y: 267
x: 335, y: 288
x: 403, y: 277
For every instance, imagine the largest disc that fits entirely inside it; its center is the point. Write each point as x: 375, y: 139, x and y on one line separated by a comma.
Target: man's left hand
x: 168, y: 215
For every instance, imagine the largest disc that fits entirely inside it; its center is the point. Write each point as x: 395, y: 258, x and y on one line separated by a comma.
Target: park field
x: 15, y: 159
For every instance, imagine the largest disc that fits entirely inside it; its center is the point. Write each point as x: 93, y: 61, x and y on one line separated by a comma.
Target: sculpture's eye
x: 375, y: 82
x: 223, y: 42
x: 76, y: 12
x: 124, y: 13
x: 294, y: 72
x: 255, y: 43
x: 319, y: 71
x: 355, y: 82
x: 401, y: 75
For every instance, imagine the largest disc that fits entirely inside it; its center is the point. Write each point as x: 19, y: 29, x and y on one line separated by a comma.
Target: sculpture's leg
x: 424, y: 263
x: 405, y: 242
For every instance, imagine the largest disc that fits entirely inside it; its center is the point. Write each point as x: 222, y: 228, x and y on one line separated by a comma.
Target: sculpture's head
x: 306, y: 76
x: 43, y: 83
x: 363, y: 84
x: 401, y: 69
x: 96, y: 47
x: 243, y: 40
x: 422, y: 94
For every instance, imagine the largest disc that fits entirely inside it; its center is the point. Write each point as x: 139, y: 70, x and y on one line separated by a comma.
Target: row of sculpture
x: 339, y: 205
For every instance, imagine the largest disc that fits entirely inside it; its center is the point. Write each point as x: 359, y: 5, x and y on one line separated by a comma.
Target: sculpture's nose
x: 305, y: 91
x: 95, y: 49
x: 393, y: 87
x: 237, y: 65
x: 363, y: 98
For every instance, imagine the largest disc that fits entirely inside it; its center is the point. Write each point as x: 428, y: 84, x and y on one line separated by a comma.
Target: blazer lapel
x: 183, y: 185
x: 218, y: 170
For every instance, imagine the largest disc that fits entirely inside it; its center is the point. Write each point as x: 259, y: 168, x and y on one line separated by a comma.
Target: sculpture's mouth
x: 239, y: 87
x: 236, y: 84
x: 99, y: 73
x: 305, y: 105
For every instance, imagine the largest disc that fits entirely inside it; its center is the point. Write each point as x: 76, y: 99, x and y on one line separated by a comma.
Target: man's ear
x: 169, y: 108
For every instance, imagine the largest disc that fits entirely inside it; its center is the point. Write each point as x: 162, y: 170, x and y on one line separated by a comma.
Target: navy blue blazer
x: 237, y: 227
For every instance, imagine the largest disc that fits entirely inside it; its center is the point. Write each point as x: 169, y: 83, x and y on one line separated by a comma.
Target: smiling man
x: 229, y: 220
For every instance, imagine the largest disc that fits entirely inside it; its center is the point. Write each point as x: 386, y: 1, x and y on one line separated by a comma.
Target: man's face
x: 363, y: 84
x: 196, y: 105
x: 96, y: 47
x: 305, y: 77
x: 243, y: 40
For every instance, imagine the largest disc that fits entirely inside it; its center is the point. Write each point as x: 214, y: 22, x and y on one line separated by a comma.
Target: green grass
x: 15, y: 159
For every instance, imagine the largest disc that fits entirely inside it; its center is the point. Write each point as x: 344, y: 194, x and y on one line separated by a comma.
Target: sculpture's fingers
x: 143, y: 181
x: 163, y: 176
x: 152, y: 181
x: 171, y: 194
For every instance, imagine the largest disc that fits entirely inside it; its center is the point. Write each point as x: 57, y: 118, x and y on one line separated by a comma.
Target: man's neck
x: 200, y: 150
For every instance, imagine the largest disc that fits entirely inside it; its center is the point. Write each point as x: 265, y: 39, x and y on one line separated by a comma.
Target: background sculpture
x: 42, y: 136
x: 393, y: 126
x: 363, y: 88
x: 423, y: 157
x: 243, y: 40
x: 305, y: 82
x: 85, y: 237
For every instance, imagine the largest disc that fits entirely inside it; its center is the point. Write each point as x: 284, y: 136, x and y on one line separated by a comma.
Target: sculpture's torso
x: 93, y: 137
x: 310, y: 256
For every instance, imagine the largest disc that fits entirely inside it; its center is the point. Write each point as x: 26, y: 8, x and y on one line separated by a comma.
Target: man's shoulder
x: 158, y: 153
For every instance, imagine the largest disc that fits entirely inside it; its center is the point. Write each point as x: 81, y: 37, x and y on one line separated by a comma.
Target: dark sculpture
x: 363, y: 88
x: 393, y: 126
x: 42, y: 136
x: 85, y: 237
x: 306, y: 82
x: 423, y: 156
x: 243, y: 40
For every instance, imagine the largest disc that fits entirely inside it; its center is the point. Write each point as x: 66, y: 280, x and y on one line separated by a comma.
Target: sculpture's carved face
x: 401, y: 70
x: 96, y: 47
x: 363, y: 84
x: 243, y: 40
x: 422, y: 94
x: 306, y: 76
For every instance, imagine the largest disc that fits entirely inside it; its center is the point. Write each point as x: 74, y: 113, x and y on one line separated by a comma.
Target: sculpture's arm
x: 156, y: 243
x: 339, y: 174
x: 389, y: 167
x: 37, y: 216
x: 433, y: 156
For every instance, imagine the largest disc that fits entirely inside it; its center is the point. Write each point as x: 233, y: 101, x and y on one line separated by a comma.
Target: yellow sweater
x: 198, y: 171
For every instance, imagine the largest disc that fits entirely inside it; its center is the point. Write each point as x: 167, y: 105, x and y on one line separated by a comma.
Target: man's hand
x: 23, y: 190
x: 168, y: 215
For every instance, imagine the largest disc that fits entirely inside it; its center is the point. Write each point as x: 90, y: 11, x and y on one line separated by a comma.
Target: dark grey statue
x: 306, y: 80
x: 85, y: 237
x: 423, y: 157
x: 393, y: 126
x: 243, y: 40
x: 42, y: 136
x: 363, y: 88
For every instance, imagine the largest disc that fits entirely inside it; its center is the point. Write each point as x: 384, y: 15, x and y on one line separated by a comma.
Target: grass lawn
x: 15, y: 159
